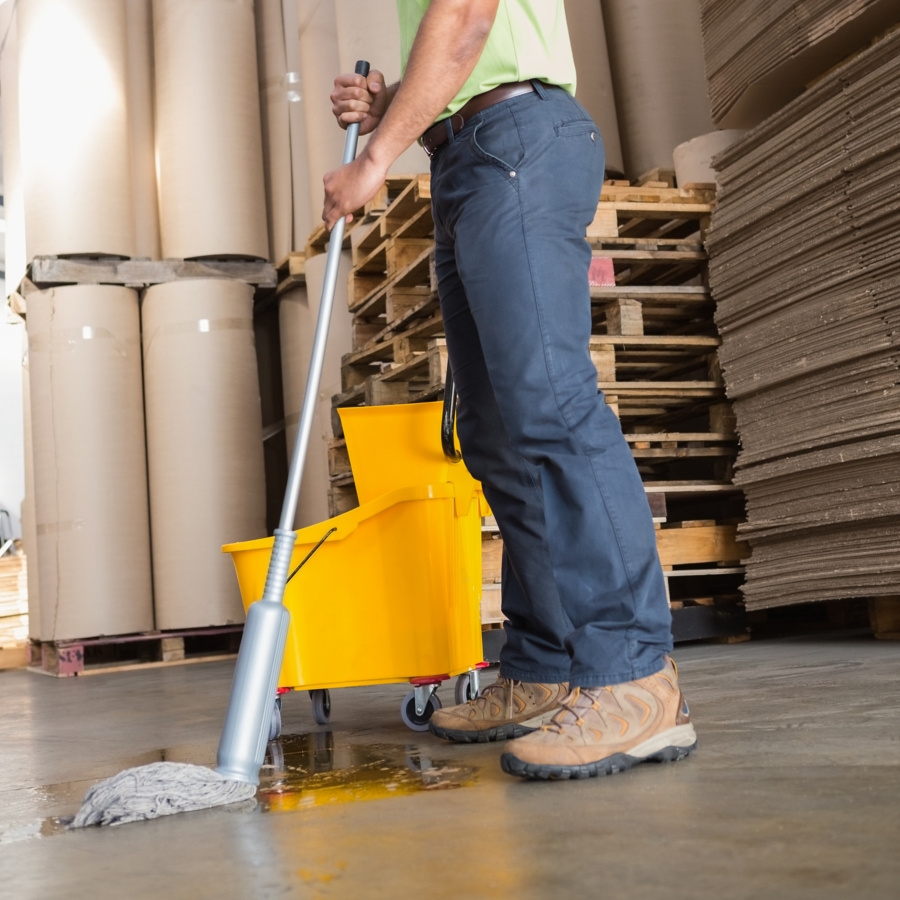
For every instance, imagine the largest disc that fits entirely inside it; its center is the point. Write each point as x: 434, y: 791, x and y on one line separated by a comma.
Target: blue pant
x: 583, y: 590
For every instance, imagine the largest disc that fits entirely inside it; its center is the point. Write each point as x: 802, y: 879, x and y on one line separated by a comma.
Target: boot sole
x: 610, y: 765
x: 497, y: 733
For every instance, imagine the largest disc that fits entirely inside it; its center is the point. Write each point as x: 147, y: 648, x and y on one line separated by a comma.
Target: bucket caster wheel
x: 275, y: 723
x: 417, y: 715
x: 467, y: 687
x: 321, y: 705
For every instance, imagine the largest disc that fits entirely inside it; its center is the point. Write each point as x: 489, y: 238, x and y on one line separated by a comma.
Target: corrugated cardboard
x: 74, y: 132
x: 204, y: 443
x: 208, y: 138
x: 90, y: 474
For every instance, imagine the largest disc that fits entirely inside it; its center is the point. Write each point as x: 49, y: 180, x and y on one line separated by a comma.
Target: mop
x: 165, y: 788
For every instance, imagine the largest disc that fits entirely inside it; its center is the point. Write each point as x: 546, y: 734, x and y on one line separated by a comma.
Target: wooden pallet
x: 126, y: 652
x: 291, y: 272
x: 651, y: 210
x: 884, y: 616
x: 385, y: 246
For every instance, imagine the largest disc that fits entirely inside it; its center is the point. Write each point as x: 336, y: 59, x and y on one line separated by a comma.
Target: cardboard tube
x: 139, y: 29
x: 297, y: 318
x: 73, y: 120
x: 209, y: 144
x: 204, y: 444
x: 594, y: 87
x: 656, y: 57
x: 90, y: 471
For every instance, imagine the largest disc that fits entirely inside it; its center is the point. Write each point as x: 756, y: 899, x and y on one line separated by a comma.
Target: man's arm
x: 447, y: 47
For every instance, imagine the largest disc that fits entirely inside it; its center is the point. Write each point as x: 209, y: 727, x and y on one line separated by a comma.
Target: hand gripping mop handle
x: 242, y: 746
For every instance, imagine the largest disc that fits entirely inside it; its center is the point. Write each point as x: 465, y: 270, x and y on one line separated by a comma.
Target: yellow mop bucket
x: 394, y: 592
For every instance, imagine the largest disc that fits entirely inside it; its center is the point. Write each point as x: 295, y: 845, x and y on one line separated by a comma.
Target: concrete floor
x: 794, y: 793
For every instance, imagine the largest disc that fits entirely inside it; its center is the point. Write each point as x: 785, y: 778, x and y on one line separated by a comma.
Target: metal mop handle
x: 242, y: 746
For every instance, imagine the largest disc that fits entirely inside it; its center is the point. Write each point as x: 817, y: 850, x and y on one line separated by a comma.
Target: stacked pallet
x: 13, y: 610
x: 806, y: 272
x: 654, y: 345
x: 761, y: 53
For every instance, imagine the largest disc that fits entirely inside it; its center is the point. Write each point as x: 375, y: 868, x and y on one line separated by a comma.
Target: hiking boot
x: 604, y: 730
x: 504, y: 709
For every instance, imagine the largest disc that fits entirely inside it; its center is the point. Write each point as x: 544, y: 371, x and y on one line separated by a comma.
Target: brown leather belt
x: 437, y: 134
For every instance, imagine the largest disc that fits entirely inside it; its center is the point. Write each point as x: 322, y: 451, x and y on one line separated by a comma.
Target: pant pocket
x: 497, y: 141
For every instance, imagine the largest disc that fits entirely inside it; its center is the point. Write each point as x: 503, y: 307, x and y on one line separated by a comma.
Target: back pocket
x: 574, y: 129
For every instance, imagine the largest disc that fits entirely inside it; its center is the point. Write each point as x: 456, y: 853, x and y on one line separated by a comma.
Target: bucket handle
x: 448, y: 418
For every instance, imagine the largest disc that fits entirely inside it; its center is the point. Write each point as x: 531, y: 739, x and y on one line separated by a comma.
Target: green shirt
x: 529, y: 40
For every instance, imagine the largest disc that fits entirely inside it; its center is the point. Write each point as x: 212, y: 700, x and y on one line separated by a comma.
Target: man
x: 586, y: 685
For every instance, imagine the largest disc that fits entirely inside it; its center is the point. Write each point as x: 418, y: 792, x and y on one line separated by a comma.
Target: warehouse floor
x: 793, y: 793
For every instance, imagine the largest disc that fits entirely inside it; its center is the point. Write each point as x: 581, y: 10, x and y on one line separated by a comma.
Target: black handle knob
x: 362, y: 68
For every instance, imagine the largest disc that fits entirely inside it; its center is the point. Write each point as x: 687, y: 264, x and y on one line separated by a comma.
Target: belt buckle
x: 443, y: 124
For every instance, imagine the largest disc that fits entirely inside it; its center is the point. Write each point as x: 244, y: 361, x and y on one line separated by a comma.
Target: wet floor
x: 300, y: 771
x: 792, y: 793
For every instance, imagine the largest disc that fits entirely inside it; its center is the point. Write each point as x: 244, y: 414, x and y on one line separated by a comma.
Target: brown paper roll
x: 369, y: 29
x: 29, y: 523
x: 319, y: 63
x: 297, y: 318
x: 74, y: 135
x: 595, y: 89
x: 693, y: 159
x: 139, y: 28
x: 304, y: 215
x: 209, y: 144
x: 204, y: 444
x: 90, y: 471
x: 13, y: 199
x: 656, y: 56
x: 276, y: 138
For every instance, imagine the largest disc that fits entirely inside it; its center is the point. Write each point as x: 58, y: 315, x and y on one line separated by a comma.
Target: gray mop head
x: 159, y: 789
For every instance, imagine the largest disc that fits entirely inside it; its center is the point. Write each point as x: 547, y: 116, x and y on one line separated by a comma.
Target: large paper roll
x: 319, y: 64
x: 13, y: 199
x: 74, y: 133
x: 209, y: 144
x: 204, y: 444
x: 276, y: 137
x: 297, y: 319
x: 369, y: 29
x: 656, y: 56
x: 90, y: 471
x: 595, y: 88
x: 29, y: 523
x: 139, y: 26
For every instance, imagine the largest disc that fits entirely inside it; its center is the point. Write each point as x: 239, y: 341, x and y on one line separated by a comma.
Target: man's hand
x: 358, y: 99
x: 350, y: 187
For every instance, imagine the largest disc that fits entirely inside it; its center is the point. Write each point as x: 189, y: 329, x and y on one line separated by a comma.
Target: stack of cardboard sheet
x: 805, y: 269
x: 760, y: 54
